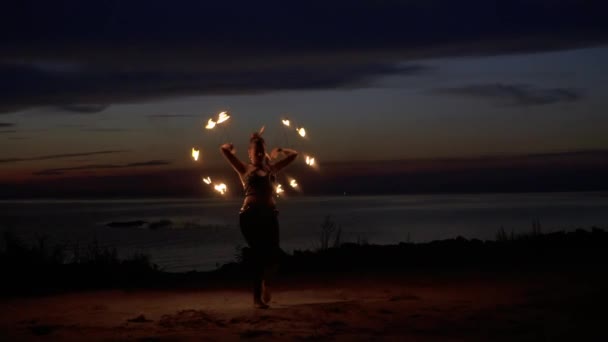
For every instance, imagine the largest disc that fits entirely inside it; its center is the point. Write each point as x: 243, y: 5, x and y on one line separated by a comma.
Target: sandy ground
x: 455, y: 307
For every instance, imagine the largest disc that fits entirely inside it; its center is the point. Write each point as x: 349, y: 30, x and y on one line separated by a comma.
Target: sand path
x: 464, y: 307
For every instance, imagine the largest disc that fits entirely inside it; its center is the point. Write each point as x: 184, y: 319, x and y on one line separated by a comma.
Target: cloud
x: 7, y: 125
x: 84, y: 108
x: 92, y: 167
x: 149, y: 163
x: 35, y: 87
x: 514, y: 94
x: 104, y: 130
x: 109, y: 52
x: 170, y: 116
x: 60, y: 156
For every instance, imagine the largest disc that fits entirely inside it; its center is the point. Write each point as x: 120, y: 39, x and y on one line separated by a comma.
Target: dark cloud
x: 149, y: 163
x: 31, y: 86
x: 74, y: 52
x: 170, y: 116
x: 60, y: 156
x: 104, y: 130
x: 6, y: 124
x: 84, y: 108
x: 93, y: 167
x: 72, y: 125
x: 514, y: 94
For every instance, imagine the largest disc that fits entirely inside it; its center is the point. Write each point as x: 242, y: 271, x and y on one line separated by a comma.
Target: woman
x: 258, y: 215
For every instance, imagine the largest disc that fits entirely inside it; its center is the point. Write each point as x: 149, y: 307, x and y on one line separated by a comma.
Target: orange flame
x: 293, y: 183
x: 207, y: 180
x: 301, y: 132
x: 279, y: 189
x: 195, y: 153
x: 210, y: 124
x: 223, y: 116
x: 286, y: 122
x: 310, y: 161
x: 221, y: 188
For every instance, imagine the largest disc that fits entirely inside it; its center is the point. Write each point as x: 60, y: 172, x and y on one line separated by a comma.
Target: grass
x: 534, y: 233
x: 40, y: 253
x: 329, y: 229
x: 40, y: 266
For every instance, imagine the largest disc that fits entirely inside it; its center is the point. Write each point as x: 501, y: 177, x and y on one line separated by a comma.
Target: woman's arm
x: 228, y: 153
x: 290, y: 156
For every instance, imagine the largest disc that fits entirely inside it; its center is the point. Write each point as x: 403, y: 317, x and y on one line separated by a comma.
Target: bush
x: 328, y: 229
x: 40, y: 267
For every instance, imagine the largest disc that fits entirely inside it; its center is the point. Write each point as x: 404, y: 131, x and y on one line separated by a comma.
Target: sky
x: 106, y: 98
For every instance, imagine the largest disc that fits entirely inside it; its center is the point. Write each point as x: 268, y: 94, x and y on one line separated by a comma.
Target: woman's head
x: 257, y: 149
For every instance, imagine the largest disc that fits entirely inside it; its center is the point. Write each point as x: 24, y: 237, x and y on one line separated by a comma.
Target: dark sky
x: 107, y: 97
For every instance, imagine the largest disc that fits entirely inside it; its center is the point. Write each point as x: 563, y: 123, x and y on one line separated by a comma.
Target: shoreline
x: 214, y: 199
x: 99, y: 267
x: 522, y: 287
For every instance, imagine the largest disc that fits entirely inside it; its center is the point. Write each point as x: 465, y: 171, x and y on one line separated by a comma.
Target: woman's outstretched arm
x: 290, y: 156
x: 228, y: 152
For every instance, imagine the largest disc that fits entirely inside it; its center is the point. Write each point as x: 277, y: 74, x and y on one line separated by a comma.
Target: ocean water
x: 204, y: 232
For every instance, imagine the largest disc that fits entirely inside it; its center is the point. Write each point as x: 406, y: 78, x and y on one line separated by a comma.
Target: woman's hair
x: 256, y: 138
x: 257, y: 141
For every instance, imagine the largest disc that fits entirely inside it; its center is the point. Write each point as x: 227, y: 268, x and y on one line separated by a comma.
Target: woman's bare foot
x: 258, y: 304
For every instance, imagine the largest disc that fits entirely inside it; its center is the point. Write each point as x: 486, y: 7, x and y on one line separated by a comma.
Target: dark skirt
x: 260, y: 228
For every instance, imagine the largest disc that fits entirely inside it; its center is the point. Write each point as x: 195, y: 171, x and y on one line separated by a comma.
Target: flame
x: 210, y: 124
x: 207, y: 180
x: 293, y: 183
x: 286, y: 122
x: 223, y: 116
x: 310, y: 161
x: 301, y: 131
x: 279, y: 189
x: 195, y: 153
x: 221, y: 188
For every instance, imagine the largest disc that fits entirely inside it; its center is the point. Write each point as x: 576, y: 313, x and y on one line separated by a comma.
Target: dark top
x: 256, y: 185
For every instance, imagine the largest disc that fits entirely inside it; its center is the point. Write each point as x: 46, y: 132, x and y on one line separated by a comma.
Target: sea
x: 184, y: 234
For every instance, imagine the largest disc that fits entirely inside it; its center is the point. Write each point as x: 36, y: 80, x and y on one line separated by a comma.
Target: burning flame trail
x: 286, y: 122
x: 223, y: 116
x: 221, y: 188
x: 310, y: 161
x: 195, y: 153
x: 279, y: 189
x: 207, y: 180
x: 293, y: 183
x: 210, y: 124
x: 301, y: 132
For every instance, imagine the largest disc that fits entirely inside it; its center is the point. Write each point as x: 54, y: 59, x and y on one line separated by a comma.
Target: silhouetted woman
x: 258, y: 216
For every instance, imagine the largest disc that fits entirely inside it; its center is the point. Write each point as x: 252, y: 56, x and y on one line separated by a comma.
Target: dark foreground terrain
x: 528, y: 287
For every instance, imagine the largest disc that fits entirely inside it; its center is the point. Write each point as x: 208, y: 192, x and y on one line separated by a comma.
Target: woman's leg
x: 272, y: 253
x: 250, y: 227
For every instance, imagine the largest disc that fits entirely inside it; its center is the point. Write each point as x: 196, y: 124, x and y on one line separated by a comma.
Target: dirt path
x: 391, y: 308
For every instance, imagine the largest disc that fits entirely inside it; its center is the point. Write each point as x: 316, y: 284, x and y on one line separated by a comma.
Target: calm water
x: 205, y: 232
